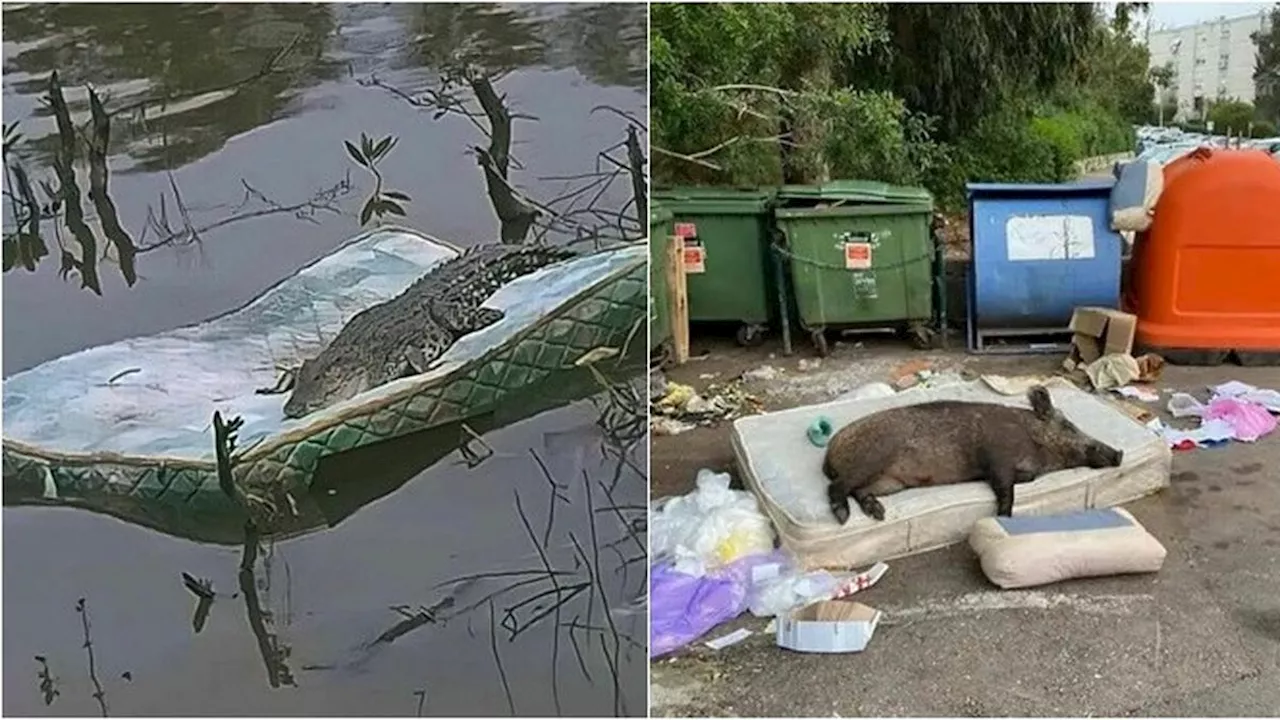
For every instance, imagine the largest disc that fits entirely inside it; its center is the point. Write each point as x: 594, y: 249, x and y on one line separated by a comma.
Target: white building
x: 1212, y: 60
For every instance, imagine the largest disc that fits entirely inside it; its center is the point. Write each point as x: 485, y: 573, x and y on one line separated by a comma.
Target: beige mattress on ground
x: 784, y: 470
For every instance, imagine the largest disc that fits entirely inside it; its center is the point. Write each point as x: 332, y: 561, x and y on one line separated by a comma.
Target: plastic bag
x: 683, y: 607
x: 783, y: 587
x: 710, y: 527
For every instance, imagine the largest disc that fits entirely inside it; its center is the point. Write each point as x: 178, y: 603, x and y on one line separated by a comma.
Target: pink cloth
x: 1249, y: 420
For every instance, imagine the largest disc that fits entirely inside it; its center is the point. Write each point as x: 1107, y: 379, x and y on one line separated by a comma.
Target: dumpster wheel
x: 820, y: 342
x: 921, y: 336
x: 664, y: 356
x: 750, y: 335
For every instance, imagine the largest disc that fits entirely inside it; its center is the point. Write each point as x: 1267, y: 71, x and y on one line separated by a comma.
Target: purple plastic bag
x: 682, y: 608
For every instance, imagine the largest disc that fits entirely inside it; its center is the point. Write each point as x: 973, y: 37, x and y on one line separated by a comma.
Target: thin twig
x: 98, y: 694
x: 497, y: 659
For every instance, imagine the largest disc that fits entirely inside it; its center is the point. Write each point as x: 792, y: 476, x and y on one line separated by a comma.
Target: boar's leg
x: 838, y: 496
x: 868, y: 502
x: 1001, y: 476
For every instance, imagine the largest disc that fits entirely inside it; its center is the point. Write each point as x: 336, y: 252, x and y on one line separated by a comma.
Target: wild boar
x: 945, y: 442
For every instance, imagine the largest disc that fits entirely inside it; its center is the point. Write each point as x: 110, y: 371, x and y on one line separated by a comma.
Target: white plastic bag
x: 709, y: 527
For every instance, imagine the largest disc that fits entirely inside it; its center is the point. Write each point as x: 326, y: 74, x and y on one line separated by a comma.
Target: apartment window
x: 1224, y: 61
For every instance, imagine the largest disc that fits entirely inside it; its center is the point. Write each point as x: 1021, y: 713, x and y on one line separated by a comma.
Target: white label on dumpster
x: 1049, y: 237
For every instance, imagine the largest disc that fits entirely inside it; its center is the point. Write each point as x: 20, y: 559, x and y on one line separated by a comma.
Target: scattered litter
x: 708, y: 376
x: 1269, y: 399
x: 1150, y: 367
x: 911, y: 373
x: 807, y: 364
x: 1233, y: 413
x: 1137, y: 412
x: 791, y: 588
x: 709, y: 527
x: 1137, y: 393
x: 764, y: 372
x: 1209, y: 434
x: 868, y: 391
x: 713, y: 405
x: 1021, y: 384
x: 665, y: 426
x: 732, y: 638
x: 830, y: 626
x: 1111, y: 371
x: 657, y: 385
x: 1249, y: 421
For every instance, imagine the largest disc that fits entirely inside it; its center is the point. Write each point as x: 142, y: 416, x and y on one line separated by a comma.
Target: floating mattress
x: 126, y: 428
x: 784, y: 470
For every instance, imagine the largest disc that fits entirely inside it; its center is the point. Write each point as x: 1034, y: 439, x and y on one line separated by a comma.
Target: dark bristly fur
x: 947, y: 442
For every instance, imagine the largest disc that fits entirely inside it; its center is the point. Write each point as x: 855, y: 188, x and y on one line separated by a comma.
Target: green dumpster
x: 860, y: 255
x: 659, y: 301
x: 726, y: 232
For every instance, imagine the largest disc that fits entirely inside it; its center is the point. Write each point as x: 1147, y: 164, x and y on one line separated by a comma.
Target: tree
x: 1163, y: 78
x: 1231, y: 116
x: 960, y: 62
x: 1266, y: 71
x: 755, y: 93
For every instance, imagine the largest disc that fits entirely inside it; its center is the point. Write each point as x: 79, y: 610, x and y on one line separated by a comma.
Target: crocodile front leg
x: 284, y: 382
x: 461, y: 319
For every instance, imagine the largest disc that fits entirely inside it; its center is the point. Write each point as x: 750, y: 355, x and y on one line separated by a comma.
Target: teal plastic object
x: 820, y: 431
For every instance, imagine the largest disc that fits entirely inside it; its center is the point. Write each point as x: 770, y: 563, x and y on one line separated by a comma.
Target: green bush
x: 1264, y: 129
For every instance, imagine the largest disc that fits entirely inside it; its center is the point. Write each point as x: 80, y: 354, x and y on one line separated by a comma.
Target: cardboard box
x: 830, y: 626
x: 1100, y: 331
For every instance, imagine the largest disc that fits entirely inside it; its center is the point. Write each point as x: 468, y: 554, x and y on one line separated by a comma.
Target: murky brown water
x: 329, y: 593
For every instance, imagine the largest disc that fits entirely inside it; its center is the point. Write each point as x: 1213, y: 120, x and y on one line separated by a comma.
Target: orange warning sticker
x: 686, y: 230
x: 857, y: 256
x: 695, y: 259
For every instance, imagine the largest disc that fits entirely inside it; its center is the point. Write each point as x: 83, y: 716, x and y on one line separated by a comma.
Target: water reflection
x: 571, y: 584
x: 181, y: 79
x: 164, y: 85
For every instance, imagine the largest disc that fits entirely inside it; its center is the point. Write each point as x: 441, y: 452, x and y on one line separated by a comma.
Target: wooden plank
x: 677, y: 291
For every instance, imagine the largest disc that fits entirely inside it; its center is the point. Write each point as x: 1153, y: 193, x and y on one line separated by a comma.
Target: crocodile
x: 405, y: 335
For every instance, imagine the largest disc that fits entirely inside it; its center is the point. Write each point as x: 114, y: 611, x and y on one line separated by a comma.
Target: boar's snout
x: 1099, y: 455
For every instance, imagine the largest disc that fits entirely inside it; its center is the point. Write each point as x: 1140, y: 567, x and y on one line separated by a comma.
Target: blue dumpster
x: 1039, y: 251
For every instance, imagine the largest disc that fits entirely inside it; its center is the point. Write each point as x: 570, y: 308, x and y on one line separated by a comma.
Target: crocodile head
x: 321, y: 382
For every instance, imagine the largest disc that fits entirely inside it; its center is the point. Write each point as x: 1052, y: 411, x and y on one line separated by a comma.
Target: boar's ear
x: 1041, y: 404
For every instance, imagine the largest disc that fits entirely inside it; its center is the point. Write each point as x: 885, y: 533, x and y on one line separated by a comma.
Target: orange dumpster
x: 1205, y: 277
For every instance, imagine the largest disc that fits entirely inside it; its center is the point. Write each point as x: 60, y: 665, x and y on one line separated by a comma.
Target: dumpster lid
x: 658, y: 214
x: 1080, y: 187
x: 856, y: 191
x: 718, y: 194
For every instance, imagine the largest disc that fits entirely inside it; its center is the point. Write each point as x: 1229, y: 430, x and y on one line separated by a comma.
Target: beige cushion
x: 1032, y: 550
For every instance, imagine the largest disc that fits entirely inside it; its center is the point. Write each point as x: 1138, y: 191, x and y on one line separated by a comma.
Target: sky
x: 1179, y: 14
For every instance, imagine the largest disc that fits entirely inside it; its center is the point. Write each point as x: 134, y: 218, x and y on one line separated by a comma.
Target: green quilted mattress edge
x: 270, y: 473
